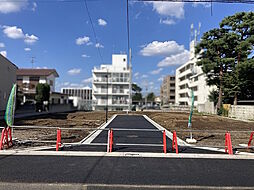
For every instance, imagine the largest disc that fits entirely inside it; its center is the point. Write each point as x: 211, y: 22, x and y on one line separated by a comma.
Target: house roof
x: 2, y: 57
x: 36, y: 72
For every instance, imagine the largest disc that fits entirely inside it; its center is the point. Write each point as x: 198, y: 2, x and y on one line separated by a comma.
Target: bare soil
x: 213, y: 127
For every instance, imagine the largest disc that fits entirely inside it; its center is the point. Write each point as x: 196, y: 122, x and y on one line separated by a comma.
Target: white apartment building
x: 80, y: 97
x: 189, y: 77
x: 111, y: 85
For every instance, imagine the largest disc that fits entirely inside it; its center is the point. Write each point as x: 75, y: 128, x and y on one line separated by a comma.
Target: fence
x: 6, y: 137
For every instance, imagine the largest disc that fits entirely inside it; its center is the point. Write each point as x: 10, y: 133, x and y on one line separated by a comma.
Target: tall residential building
x: 190, y: 76
x: 111, y: 85
x: 7, y: 79
x: 168, y: 90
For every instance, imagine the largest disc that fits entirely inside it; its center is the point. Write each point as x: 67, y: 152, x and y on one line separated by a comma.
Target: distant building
x: 27, y: 80
x: 168, y: 90
x: 7, y: 79
x: 190, y: 76
x: 80, y: 97
x: 111, y: 85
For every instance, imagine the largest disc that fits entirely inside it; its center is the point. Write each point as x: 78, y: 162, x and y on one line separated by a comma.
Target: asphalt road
x: 134, y: 137
x: 126, y: 171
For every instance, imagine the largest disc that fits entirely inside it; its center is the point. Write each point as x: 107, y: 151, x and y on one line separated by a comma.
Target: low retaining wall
x: 55, y: 108
x: 242, y: 112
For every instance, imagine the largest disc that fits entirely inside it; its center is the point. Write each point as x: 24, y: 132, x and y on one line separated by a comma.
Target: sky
x: 58, y: 34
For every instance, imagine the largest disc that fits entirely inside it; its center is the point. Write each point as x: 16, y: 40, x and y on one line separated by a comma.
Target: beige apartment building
x: 7, y: 79
x: 168, y: 90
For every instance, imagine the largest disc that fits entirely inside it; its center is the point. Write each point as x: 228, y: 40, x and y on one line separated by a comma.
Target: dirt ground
x: 216, y: 125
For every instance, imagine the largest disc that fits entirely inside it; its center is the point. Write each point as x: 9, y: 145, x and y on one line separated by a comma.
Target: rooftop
x: 36, y: 72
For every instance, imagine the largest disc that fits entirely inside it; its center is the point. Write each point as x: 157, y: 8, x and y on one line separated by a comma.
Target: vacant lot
x: 213, y: 127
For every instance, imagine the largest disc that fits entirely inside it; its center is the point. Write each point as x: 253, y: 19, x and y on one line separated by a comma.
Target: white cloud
x: 27, y: 49
x: 136, y: 74
x: 169, y: 9
x: 177, y: 59
x: 7, y: 6
x: 161, y: 78
x: 144, y: 76
x: 13, y: 32
x: 30, y: 39
x: 2, y: 45
x: 98, y: 45
x: 102, y: 22
x: 205, y: 4
x: 157, y: 71
x: 88, y: 80
x: 85, y: 56
x: 167, y: 21
x: 74, y: 71
x: 166, y: 48
x: 66, y: 83
x: 34, y: 6
x: 3, y: 53
x: 82, y: 40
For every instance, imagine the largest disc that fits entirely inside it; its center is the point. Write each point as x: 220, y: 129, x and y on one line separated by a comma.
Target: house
x: 27, y: 80
x: 111, y: 84
x: 7, y: 79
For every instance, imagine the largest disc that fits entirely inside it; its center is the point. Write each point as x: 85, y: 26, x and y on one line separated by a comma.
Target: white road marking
x: 125, y: 154
x: 96, y: 132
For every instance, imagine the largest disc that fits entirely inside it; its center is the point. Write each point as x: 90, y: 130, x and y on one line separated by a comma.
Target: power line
x: 128, y: 25
x: 186, y: 1
x: 201, y: 1
x: 91, y: 22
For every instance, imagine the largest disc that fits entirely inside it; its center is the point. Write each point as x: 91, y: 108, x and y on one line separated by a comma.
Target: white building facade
x: 81, y: 98
x: 111, y: 85
x: 190, y: 76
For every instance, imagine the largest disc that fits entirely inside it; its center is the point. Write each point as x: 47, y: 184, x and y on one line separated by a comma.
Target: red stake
x: 228, y: 144
x: 251, y: 137
x: 58, y: 139
x: 164, y: 142
x: 6, y: 138
x: 174, y: 142
x: 111, y: 140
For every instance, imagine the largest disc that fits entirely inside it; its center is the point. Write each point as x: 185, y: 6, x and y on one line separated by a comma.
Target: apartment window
x: 124, y: 59
x: 34, y: 78
x: 19, y: 78
x: 51, y: 83
x: 172, y: 78
x: 172, y: 85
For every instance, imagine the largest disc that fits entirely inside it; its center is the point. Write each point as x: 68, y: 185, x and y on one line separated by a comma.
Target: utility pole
x: 130, y: 81
x: 107, y: 99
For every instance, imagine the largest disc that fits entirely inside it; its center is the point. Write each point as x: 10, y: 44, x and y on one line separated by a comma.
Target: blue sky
x: 59, y: 35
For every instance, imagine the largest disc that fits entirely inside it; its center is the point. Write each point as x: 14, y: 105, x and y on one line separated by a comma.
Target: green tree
x: 150, y: 96
x: 42, y: 93
x: 137, y: 95
x: 217, y: 53
x: 241, y: 24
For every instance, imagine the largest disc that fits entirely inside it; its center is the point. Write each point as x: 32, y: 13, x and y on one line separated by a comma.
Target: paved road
x: 134, y: 137
x: 126, y: 171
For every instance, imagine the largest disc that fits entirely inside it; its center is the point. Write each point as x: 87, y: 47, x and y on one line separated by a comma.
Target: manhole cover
x: 132, y: 136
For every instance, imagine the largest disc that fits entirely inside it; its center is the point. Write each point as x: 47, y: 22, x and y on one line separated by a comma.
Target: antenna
x: 191, y: 31
x: 32, y: 61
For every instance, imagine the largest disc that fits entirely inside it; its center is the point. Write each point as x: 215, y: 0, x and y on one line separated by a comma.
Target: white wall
x: 243, y: 112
